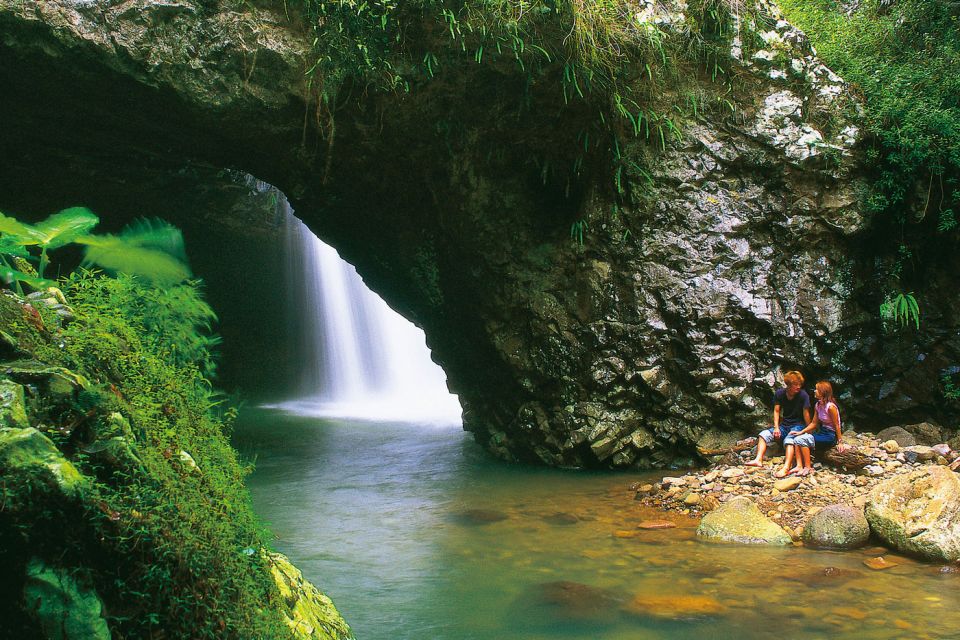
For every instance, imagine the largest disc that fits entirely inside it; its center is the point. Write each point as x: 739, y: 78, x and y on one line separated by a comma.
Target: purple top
x: 823, y: 413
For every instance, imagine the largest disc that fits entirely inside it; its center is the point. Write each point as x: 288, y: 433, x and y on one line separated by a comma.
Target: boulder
x: 919, y: 453
x: 308, y: 612
x: 29, y: 451
x: 838, y: 526
x: 740, y: 521
x: 13, y: 411
x: 919, y: 513
x: 64, y: 609
x: 926, y: 433
x: 899, y: 435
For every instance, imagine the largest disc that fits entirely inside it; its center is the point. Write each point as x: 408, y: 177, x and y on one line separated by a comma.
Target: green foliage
x: 173, y: 548
x: 174, y: 322
x: 904, y: 57
x: 577, y: 229
x: 902, y: 309
x: 152, y: 249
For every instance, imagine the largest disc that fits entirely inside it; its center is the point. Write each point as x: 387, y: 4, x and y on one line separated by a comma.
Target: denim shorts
x: 801, y: 440
x: 767, y: 434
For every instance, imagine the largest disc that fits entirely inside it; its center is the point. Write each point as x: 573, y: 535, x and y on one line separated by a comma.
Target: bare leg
x: 761, y: 451
x: 786, y: 462
x: 807, y: 466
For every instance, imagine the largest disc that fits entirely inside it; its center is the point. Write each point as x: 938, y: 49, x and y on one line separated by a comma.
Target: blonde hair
x: 793, y: 376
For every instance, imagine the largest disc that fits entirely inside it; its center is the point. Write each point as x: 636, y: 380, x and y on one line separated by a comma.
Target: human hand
x: 842, y: 447
x: 776, y: 432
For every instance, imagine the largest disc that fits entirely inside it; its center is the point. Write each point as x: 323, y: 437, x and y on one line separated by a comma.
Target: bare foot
x: 753, y: 463
x: 782, y: 473
x: 795, y: 471
x: 808, y: 471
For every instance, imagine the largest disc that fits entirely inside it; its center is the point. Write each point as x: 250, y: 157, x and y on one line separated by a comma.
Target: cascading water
x: 360, y: 358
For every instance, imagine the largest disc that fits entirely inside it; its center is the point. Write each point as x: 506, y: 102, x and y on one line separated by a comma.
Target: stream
x: 417, y: 533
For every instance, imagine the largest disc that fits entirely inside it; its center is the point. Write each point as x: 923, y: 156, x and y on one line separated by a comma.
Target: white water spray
x: 361, y: 358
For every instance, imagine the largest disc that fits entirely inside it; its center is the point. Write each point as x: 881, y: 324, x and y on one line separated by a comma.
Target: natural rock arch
x: 730, y: 258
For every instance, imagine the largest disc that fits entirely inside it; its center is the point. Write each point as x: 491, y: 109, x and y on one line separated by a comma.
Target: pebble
x: 879, y: 563
x: 732, y: 472
x: 656, y: 524
x: 787, y: 484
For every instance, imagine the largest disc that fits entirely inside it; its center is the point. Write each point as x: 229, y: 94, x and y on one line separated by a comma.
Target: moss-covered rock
x: 919, y: 513
x: 64, y: 609
x: 838, y: 526
x: 28, y: 452
x: 740, y: 521
x: 309, y: 613
x: 13, y: 411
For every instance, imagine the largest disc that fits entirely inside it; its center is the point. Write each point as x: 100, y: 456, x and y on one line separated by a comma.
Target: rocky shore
x: 888, y: 486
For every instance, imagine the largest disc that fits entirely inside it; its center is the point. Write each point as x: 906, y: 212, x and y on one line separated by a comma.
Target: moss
x: 168, y: 545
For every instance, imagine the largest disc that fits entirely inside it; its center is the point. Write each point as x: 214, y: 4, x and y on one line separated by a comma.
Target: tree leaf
x: 119, y: 255
x: 65, y: 227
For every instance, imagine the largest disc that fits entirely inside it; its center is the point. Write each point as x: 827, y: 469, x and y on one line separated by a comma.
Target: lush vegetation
x: 903, y: 56
x: 635, y: 75
x: 164, y: 532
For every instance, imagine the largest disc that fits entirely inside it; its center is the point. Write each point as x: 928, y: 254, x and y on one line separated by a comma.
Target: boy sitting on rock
x: 791, y: 412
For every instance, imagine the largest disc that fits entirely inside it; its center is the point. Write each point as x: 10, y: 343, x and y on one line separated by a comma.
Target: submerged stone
x: 673, y: 606
x: 576, y: 601
x: 479, y: 516
x: 561, y: 519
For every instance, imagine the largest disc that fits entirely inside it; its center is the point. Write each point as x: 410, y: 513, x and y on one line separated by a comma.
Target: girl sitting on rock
x: 823, y: 430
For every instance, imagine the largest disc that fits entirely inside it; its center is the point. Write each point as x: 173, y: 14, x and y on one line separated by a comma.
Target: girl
x: 824, y: 429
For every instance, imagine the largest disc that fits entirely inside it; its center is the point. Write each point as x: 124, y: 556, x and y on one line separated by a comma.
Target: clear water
x: 378, y: 515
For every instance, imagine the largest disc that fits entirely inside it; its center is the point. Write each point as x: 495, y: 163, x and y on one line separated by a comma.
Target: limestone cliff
x: 597, y: 296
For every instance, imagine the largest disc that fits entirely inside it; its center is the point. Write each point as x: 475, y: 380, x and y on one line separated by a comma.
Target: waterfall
x: 360, y: 358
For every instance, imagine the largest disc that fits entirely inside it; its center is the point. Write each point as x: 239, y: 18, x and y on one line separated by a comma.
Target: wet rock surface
x: 838, y: 526
x: 919, y: 513
x: 740, y: 521
x: 722, y: 266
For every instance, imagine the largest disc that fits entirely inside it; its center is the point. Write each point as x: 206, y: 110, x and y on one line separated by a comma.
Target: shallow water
x: 417, y: 534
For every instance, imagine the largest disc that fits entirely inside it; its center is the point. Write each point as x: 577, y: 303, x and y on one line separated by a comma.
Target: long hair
x: 826, y: 392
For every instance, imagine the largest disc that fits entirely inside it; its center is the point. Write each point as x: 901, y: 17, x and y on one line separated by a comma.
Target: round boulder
x: 839, y: 526
x: 740, y: 521
x: 919, y: 513
x: 899, y: 435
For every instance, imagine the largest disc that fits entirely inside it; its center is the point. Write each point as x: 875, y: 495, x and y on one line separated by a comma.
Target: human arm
x: 835, y: 418
x: 776, y: 420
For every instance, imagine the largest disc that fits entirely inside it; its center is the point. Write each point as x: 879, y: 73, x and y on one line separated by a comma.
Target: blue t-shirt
x: 791, y: 411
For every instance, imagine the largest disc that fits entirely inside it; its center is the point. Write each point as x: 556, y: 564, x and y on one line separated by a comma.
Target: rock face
x: 706, y: 261
x: 919, y: 513
x: 839, y: 526
x: 740, y: 521
x: 308, y: 612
